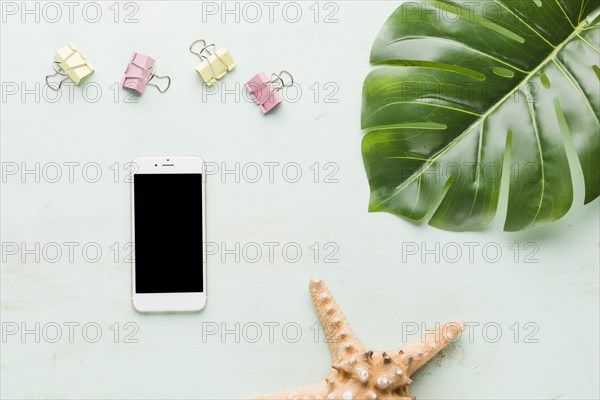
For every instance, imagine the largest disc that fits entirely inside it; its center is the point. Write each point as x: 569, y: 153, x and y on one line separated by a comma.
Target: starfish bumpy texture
x: 359, y: 373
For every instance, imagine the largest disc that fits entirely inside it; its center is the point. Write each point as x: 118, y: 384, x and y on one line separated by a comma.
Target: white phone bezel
x: 169, y: 302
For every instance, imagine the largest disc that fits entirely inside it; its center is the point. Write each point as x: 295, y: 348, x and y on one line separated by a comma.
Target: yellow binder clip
x: 216, y: 62
x: 70, y: 63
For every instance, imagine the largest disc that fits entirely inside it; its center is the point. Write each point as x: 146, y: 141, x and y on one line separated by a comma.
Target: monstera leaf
x: 475, y: 93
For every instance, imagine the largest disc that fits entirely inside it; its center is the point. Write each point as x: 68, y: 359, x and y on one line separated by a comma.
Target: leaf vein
x: 501, y: 3
x: 426, y: 166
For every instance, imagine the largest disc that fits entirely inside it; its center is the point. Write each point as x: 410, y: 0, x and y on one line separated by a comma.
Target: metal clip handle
x: 56, y: 72
x: 168, y: 78
x: 205, y: 48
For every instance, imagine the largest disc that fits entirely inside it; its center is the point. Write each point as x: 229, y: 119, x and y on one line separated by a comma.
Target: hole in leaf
x: 411, y: 125
x: 428, y: 125
x: 545, y: 81
x: 577, y: 172
x: 439, y: 199
x: 509, y: 172
x: 501, y: 30
x: 506, y: 73
x: 562, y: 121
x: 430, y: 64
x: 597, y: 71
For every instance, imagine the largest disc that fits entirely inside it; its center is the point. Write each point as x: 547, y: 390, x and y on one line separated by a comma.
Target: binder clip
x: 266, y: 92
x: 216, y: 62
x: 70, y: 63
x: 140, y: 72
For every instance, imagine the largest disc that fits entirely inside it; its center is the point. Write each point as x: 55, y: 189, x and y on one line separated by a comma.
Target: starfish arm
x: 309, y: 392
x: 341, y: 339
x: 415, y: 354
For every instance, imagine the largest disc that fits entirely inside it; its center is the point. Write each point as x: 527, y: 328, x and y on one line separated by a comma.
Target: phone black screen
x: 168, y: 233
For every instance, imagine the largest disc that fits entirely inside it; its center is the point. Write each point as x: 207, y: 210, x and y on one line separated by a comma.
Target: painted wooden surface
x: 530, y: 298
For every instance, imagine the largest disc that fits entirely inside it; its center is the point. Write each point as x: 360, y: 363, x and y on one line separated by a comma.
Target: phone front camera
x: 156, y: 165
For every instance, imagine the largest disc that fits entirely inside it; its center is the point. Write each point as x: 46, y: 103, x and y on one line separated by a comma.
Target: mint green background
x: 376, y: 289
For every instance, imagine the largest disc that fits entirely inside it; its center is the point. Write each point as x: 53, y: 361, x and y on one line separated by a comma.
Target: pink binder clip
x: 139, y: 73
x: 266, y: 92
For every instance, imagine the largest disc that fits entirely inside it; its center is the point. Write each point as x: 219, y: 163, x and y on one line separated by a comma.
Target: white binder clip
x: 216, y: 62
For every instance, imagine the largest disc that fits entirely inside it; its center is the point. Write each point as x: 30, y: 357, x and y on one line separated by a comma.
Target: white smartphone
x: 168, y: 232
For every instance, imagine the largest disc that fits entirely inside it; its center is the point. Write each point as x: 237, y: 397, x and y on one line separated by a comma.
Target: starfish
x: 359, y: 373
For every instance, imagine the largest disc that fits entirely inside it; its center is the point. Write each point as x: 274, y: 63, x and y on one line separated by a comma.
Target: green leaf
x: 469, y: 91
